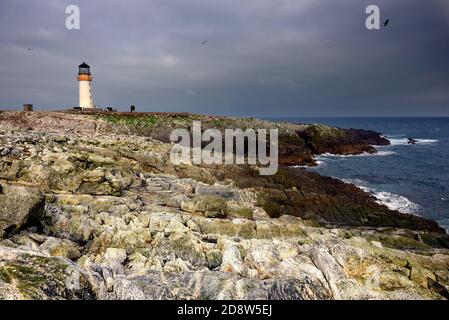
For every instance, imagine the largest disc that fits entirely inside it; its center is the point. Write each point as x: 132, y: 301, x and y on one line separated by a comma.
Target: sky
x: 264, y: 58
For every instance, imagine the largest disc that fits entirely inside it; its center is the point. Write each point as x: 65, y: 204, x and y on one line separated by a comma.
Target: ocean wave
x: 391, y: 200
x: 404, y: 141
x: 427, y: 141
x: 364, y: 154
x: 358, y: 182
x: 321, y: 159
x: 444, y: 223
x: 300, y: 167
x: 318, y: 164
x: 398, y: 142
x: 397, y: 202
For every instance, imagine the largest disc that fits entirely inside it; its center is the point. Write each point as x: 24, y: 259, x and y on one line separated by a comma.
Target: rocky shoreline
x: 92, y: 208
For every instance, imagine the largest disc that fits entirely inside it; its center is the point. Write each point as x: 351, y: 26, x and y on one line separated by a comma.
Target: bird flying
x: 204, y: 42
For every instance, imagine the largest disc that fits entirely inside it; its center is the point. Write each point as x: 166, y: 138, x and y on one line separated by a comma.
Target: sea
x: 409, y: 178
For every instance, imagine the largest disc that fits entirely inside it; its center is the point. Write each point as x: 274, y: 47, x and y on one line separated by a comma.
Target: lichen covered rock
x: 27, y: 275
x: 19, y: 205
x: 94, y: 209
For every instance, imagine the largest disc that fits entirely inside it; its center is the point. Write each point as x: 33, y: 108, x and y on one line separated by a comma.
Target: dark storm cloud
x: 263, y: 57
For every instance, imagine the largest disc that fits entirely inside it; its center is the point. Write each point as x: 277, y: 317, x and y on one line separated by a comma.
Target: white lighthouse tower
x: 84, y: 78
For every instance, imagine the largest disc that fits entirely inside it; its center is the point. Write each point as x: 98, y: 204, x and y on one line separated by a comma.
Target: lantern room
x: 84, y: 69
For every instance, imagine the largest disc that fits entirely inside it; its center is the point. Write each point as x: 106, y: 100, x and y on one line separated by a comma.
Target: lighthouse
x: 85, y: 78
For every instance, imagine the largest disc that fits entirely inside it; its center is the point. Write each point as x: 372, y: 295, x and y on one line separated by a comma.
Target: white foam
x: 364, y: 154
x: 397, y: 202
x: 398, y: 142
x: 318, y: 163
x: 404, y: 141
x: 444, y: 223
x: 383, y: 153
x: 358, y: 182
x: 391, y: 200
x: 427, y: 141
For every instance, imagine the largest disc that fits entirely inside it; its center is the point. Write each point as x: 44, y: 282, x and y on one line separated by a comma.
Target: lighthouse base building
x: 85, y: 90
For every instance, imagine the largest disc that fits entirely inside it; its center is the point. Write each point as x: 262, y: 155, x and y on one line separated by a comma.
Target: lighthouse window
x: 84, y: 71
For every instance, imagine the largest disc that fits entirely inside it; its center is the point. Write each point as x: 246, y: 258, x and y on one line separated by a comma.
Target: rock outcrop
x: 19, y: 205
x: 27, y: 274
x: 324, y: 139
x: 87, y: 213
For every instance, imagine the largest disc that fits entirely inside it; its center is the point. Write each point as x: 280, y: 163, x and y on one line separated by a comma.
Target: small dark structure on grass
x: 133, y: 108
x: 27, y: 107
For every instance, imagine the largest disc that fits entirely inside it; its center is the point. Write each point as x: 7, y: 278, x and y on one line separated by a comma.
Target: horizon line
x: 5, y: 109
